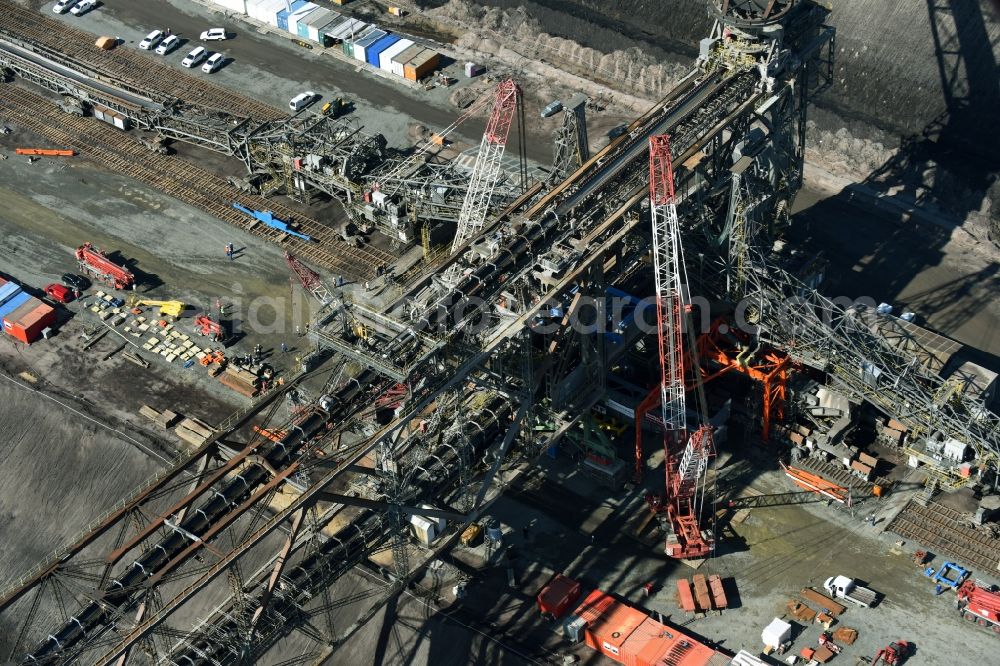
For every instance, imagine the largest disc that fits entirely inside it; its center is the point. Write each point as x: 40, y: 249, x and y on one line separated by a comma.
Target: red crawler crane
x: 685, y: 482
x: 97, y: 264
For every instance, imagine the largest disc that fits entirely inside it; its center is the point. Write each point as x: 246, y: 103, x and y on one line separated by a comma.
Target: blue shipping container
x: 8, y: 291
x: 283, y: 14
x: 372, y: 52
x: 14, y: 304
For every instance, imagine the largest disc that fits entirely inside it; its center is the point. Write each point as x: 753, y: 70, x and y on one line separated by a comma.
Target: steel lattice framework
x: 486, y: 172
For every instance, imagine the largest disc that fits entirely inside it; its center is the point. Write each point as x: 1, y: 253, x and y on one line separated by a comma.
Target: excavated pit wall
x: 887, y: 65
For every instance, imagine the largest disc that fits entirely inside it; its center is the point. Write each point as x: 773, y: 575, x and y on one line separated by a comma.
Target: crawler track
x: 123, y: 67
x: 945, y: 531
x: 202, y: 189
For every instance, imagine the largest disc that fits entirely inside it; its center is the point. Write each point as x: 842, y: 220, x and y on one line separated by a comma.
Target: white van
x: 195, y: 58
x: 302, y: 100
x: 213, y: 63
x: 152, y: 40
x: 168, y: 45
x: 63, y: 6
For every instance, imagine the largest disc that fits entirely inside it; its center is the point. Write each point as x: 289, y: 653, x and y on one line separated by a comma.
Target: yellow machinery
x: 167, y: 308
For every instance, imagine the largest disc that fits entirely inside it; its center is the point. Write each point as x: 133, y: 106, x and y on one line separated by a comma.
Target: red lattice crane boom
x: 309, y: 279
x: 486, y: 172
x: 685, y: 470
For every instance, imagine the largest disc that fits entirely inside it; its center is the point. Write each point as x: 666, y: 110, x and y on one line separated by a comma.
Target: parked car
x: 152, y: 40
x: 74, y: 281
x: 59, y: 292
x: 168, y: 45
x: 213, y: 63
x: 82, y: 7
x: 213, y: 35
x: 302, y: 100
x: 552, y: 109
x: 63, y: 6
x: 195, y: 58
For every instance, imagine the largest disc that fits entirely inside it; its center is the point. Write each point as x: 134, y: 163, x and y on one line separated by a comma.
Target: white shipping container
x: 385, y: 58
x: 232, y: 5
x: 265, y: 11
x: 300, y: 15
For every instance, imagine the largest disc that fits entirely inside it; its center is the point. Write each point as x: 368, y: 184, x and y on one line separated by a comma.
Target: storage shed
x: 385, y: 58
x: 372, y: 52
x: 361, y: 46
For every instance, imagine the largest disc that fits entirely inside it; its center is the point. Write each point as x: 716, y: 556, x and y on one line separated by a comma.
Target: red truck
x: 979, y: 605
x: 59, y: 292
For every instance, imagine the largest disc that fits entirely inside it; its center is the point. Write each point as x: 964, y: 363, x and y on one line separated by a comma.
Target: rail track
x: 944, y: 530
x: 186, y: 182
x: 122, y: 67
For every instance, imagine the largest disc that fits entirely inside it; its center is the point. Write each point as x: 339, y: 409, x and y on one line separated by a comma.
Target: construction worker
x: 230, y: 251
x: 284, y: 347
x: 368, y: 286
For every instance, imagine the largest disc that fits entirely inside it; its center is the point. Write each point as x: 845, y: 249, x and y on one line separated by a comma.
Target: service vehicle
x: 168, y: 45
x: 842, y: 587
x: 195, y: 58
x: 552, y: 109
x: 59, y: 292
x: 63, y: 6
x: 82, y: 7
x: 213, y: 63
x: 151, y: 40
x: 213, y: 35
x: 74, y: 281
x: 302, y: 100
x: 980, y: 603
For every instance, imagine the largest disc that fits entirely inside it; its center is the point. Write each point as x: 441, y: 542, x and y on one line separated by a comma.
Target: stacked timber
x: 162, y: 419
x: 193, y: 431
x: 241, y: 381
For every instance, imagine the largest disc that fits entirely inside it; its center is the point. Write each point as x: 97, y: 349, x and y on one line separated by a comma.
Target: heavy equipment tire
x: 981, y: 621
x: 966, y: 615
x: 996, y: 628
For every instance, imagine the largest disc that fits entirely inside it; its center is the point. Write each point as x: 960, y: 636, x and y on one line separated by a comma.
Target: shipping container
x: 300, y: 15
x: 385, y: 58
x: 350, y: 30
x: 373, y: 52
x: 630, y: 637
x: 232, y: 5
x: 28, y: 322
x: 266, y: 11
x: 406, y: 56
x: 556, y: 597
x: 283, y: 14
x: 314, y: 22
x: 364, y: 42
x: 14, y: 303
x: 422, y: 65
x: 8, y: 291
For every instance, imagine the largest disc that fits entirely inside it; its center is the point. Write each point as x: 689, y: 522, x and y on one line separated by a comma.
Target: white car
x: 151, y: 41
x: 82, y: 7
x: 195, y: 58
x: 63, y: 6
x: 213, y: 63
x: 302, y: 100
x: 213, y: 35
x: 168, y: 45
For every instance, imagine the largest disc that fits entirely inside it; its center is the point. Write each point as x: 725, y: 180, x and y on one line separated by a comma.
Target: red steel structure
x: 96, y: 263
x: 722, y: 345
x: 685, y: 473
x: 309, y: 279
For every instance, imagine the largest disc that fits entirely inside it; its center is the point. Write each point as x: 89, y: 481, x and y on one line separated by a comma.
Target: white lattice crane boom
x: 684, y: 483
x: 486, y: 171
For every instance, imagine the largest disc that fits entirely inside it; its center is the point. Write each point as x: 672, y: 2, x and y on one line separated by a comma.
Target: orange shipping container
x: 421, y: 65
x: 27, y: 322
x: 609, y: 623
